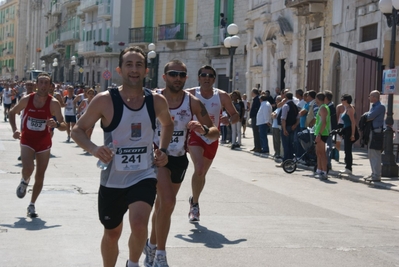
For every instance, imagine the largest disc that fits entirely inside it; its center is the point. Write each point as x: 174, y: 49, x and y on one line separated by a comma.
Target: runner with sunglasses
x: 202, y: 149
x: 182, y: 107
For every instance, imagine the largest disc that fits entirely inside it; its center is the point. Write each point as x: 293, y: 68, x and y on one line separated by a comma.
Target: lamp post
x: 151, y: 56
x: 73, y: 64
x: 389, y: 167
x: 55, y: 65
x: 231, y: 43
x: 32, y: 66
x: 43, y: 65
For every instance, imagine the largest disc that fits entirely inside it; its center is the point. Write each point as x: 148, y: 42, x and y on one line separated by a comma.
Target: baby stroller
x: 306, y: 139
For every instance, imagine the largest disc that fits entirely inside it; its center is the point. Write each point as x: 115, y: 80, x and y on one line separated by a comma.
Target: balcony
x: 56, y: 9
x: 112, y: 49
x: 300, y: 3
x: 142, y: 35
x: 173, y: 32
x: 71, y: 36
x: 86, y: 48
x: 89, y: 5
x: 104, y: 11
x: 69, y: 3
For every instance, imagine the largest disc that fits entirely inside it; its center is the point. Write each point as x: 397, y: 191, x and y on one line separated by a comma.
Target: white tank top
x: 69, y: 107
x: 181, y: 116
x: 214, y: 107
x: 133, y: 134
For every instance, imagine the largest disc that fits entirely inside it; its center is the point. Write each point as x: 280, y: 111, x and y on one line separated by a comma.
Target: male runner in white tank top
x: 182, y: 106
x: 129, y: 182
x: 202, y: 149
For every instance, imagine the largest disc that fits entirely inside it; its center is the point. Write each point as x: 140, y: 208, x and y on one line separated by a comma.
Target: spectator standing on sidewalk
x: 349, y: 131
x: 376, y: 115
x: 263, y: 120
x: 340, y: 124
x: 321, y: 132
x: 255, y: 105
x: 289, y: 122
x: 247, y: 106
x: 276, y: 131
x: 236, y: 127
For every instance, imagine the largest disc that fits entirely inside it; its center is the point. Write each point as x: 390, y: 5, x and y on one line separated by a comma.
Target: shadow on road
x: 209, y: 238
x: 32, y: 225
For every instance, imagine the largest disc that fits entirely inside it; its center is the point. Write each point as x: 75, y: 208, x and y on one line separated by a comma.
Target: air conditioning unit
x: 361, y: 11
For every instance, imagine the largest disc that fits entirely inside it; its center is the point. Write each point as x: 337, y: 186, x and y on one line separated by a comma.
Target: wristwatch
x: 164, y: 150
x: 58, y: 124
x: 206, y: 129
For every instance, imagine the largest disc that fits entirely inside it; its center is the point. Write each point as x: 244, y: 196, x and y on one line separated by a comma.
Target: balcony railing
x: 173, y: 31
x: 111, y: 48
x: 89, y: 5
x: 297, y: 3
x: 86, y: 47
x: 56, y: 9
x: 142, y: 35
x: 69, y: 3
x: 104, y: 11
x: 70, y: 36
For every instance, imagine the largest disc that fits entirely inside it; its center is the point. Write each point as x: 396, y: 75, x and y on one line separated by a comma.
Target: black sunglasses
x: 210, y: 75
x: 173, y: 73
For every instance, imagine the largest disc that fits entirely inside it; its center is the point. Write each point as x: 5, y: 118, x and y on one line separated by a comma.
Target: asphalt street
x: 252, y: 214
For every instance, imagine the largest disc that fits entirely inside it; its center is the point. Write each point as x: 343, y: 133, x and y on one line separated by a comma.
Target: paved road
x: 252, y: 214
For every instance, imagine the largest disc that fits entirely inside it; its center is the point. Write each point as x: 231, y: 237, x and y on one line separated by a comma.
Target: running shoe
x: 194, y: 214
x: 160, y: 261
x: 347, y: 171
x: 31, y: 211
x: 21, y: 189
x: 149, y: 255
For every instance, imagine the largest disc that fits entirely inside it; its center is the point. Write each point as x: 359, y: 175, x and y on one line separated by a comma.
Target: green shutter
x: 180, y: 11
x: 149, y: 13
x: 230, y: 12
x: 216, y: 23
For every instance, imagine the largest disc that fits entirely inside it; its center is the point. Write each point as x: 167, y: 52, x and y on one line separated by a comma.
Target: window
x: 315, y: 44
x: 369, y: 33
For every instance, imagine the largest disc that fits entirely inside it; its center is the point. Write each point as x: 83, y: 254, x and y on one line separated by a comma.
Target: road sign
x: 389, y: 81
x: 81, y: 70
x: 107, y: 75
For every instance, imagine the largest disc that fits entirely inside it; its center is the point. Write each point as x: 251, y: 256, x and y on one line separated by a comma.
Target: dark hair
x: 44, y: 74
x: 312, y: 94
x: 206, y: 67
x: 263, y: 97
x: 132, y: 49
x: 328, y: 94
x: 347, y: 97
x: 289, y: 95
x: 321, y: 96
x: 173, y: 62
x: 299, y: 92
x: 222, y: 15
x: 255, y: 91
x: 237, y: 93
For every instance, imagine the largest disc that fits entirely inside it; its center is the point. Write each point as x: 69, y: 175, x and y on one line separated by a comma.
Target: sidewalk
x: 360, y: 169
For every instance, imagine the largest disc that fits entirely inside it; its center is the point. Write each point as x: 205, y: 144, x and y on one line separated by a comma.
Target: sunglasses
x: 210, y: 75
x: 173, y: 73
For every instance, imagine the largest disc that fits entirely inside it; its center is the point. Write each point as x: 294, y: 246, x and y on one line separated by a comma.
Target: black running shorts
x: 177, y: 167
x: 114, y: 202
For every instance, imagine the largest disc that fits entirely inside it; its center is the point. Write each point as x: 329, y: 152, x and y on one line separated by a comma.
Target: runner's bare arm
x: 102, y: 108
x: 55, y: 109
x: 162, y: 113
x: 202, y: 115
x: 15, y: 110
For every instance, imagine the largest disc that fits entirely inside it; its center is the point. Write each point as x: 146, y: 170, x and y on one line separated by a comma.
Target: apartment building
x: 8, y: 35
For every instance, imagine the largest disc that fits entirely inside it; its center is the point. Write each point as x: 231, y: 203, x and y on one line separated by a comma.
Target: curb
x: 333, y: 174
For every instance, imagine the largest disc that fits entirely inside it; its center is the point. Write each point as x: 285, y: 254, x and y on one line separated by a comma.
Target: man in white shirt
x: 263, y: 121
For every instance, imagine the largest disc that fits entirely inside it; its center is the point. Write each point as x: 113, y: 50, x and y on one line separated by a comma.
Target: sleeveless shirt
x: 34, y: 121
x: 181, y: 116
x: 132, y: 134
x: 214, y: 107
x: 69, y: 107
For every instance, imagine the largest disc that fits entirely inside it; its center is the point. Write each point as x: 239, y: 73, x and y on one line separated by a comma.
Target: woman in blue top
x: 348, y: 117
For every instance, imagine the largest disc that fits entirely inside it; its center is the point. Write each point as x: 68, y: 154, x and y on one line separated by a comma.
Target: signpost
x: 389, y: 81
x: 107, y: 75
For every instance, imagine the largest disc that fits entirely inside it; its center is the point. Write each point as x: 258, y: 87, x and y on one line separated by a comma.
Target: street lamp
x: 43, y: 65
x: 389, y: 168
x: 151, y: 56
x: 73, y: 64
x: 55, y: 65
x: 231, y: 43
x: 33, y: 66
